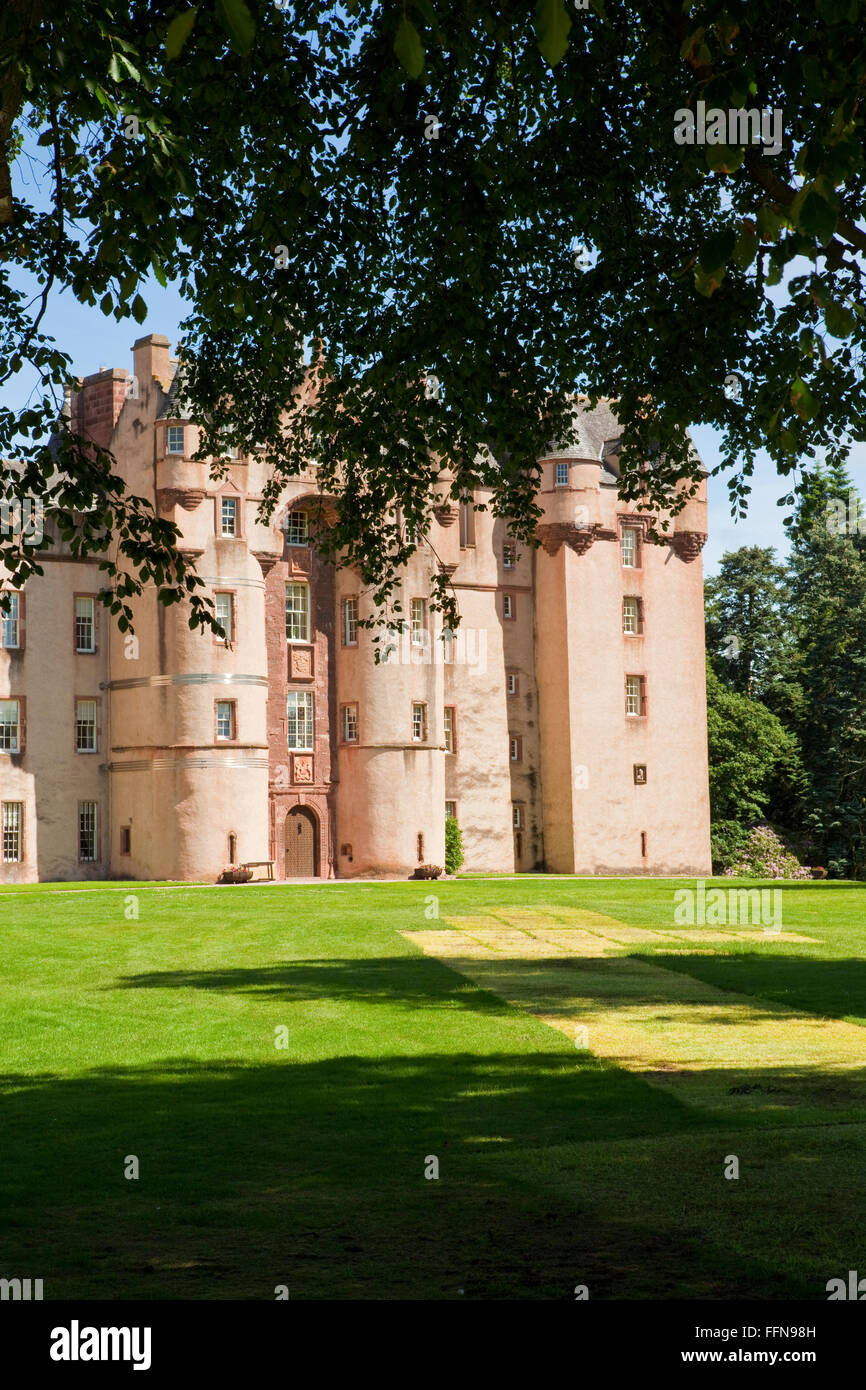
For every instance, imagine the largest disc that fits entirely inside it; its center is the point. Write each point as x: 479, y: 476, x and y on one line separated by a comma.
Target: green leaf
x: 769, y: 224
x: 746, y: 248
x: 552, y: 24
x: 708, y: 281
x: 717, y: 251
x: 238, y: 23
x: 408, y: 47
x: 139, y: 309
x: 839, y: 320
x: 724, y: 159
x: 813, y: 216
x: 802, y: 399
x: 178, y: 33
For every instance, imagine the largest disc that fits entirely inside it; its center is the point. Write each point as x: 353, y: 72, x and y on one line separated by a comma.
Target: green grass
x: 304, y: 1166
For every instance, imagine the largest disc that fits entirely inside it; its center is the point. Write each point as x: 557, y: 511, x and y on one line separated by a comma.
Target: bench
x: 259, y: 864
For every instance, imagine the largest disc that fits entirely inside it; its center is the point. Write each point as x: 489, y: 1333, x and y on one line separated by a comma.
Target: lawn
x: 283, y: 1062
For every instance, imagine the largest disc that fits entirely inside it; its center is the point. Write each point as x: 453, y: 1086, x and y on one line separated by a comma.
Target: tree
x: 755, y: 771
x: 422, y: 225
x: 746, y: 626
x: 828, y: 707
x: 453, y: 845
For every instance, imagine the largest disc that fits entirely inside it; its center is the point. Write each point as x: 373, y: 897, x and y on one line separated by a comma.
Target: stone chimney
x: 151, y: 359
x: 96, y: 405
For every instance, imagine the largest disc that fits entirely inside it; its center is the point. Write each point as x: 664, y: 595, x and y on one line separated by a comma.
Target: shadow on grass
x: 826, y: 988
x: 312, y: 1175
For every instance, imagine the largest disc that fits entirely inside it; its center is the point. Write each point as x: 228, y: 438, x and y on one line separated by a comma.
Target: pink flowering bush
x: 766, y: 857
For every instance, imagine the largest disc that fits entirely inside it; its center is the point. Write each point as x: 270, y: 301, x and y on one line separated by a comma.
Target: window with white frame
x: 350, y: 723
x: 9, y: 626
x: 635, y: 701
x: 224, y: 612
x: 298, y: 528
x: 299, y: 720
x: 516, y: 749
x: 88, y: 827
x: 562, y: 475
x: 513, y: 685
x: 418, y: 621
x: 450, y: 810
x: 227, y: 451
x: 13, y: 832
x: 517, y: 816
x: 631, y: 615
x: 225, y: 720
x: 85, y: 624
x: 350, y: 622
x: 297, y: 611
x: 419, y: 721
x: 10, y: 726
x: 629, y: 546
x: 450, y: 729
x: 507, y: 606
x: 509, y: 555
x: 229, y: 516
x: 174, y: 442
x: 85, y: 726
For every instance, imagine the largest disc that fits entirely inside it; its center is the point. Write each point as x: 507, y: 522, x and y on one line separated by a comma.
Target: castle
x: 563, y: 724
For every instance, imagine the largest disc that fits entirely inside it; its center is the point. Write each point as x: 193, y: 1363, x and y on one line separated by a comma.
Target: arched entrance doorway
x: 302, y: 848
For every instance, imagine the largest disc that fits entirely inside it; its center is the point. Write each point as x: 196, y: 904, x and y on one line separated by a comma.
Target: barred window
x: 350, y: 723
x: 419, y: 722
x: 299, y: 720
x: 224, y: 611
x: 10, y: 726
x: 225, y: 719
x: 87, y: 831
x: 13, y: 836
x: 174, y: 444
x: 85, y: 624
x: 228, y: 516
x: 350, y: 622
x: 85, y: 726
x: 298, y: 528
x: 297, y: 612
x: 629, y: 545
x: 9, y: 620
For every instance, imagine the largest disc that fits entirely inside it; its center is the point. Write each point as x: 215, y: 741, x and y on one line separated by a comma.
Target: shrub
x: 766, y: 857
x: 427, y: 871
x: 453, y: 845
x: 729, y: 841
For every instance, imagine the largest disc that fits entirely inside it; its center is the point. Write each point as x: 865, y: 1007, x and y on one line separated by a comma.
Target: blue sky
x: 94, y: 341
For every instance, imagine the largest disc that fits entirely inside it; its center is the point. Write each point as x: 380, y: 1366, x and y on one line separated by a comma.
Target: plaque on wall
x: 302, y: 768
x: 301, y: 663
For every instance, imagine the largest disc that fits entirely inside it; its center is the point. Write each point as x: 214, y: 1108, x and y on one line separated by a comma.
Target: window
x: 297, y: 612
x: 85, y: 624
x: 513, y: 683
x: 233, y: 848
x: 518, y: 844
x: 13, y: 832
x: 10, y: 726
x: 629, y: 545
x: 9, y: 628
x: 640, y: 774
x: 631, y: 616
x: 225, y: 720
x: 447, y: 640
x: 224, y: 609
x: 561, y: 478
x: 298, y: 528
x: 174, y: 443
x: 643, y: 844
x: 228, y: 451
x: 350, y: 723
x: 517, y: 817
x: 126, y: 839
x: 420, y: 848
x: 516, y: 750
x: 229, y: 516
x: 85, y: 726
x: 635, y: 695
x: 450, y: 810
x: 88, y: 843
x: 509, y: 555
x: 507, y: 606
x: 450, y: 729
x: 419, y: 722
x: 467, y: 521
x: 418, y: 621
x: 350, y: 622
x: 299, y: 720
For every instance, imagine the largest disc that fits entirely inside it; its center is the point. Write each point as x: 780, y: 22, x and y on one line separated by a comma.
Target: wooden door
x: 301, y: 855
